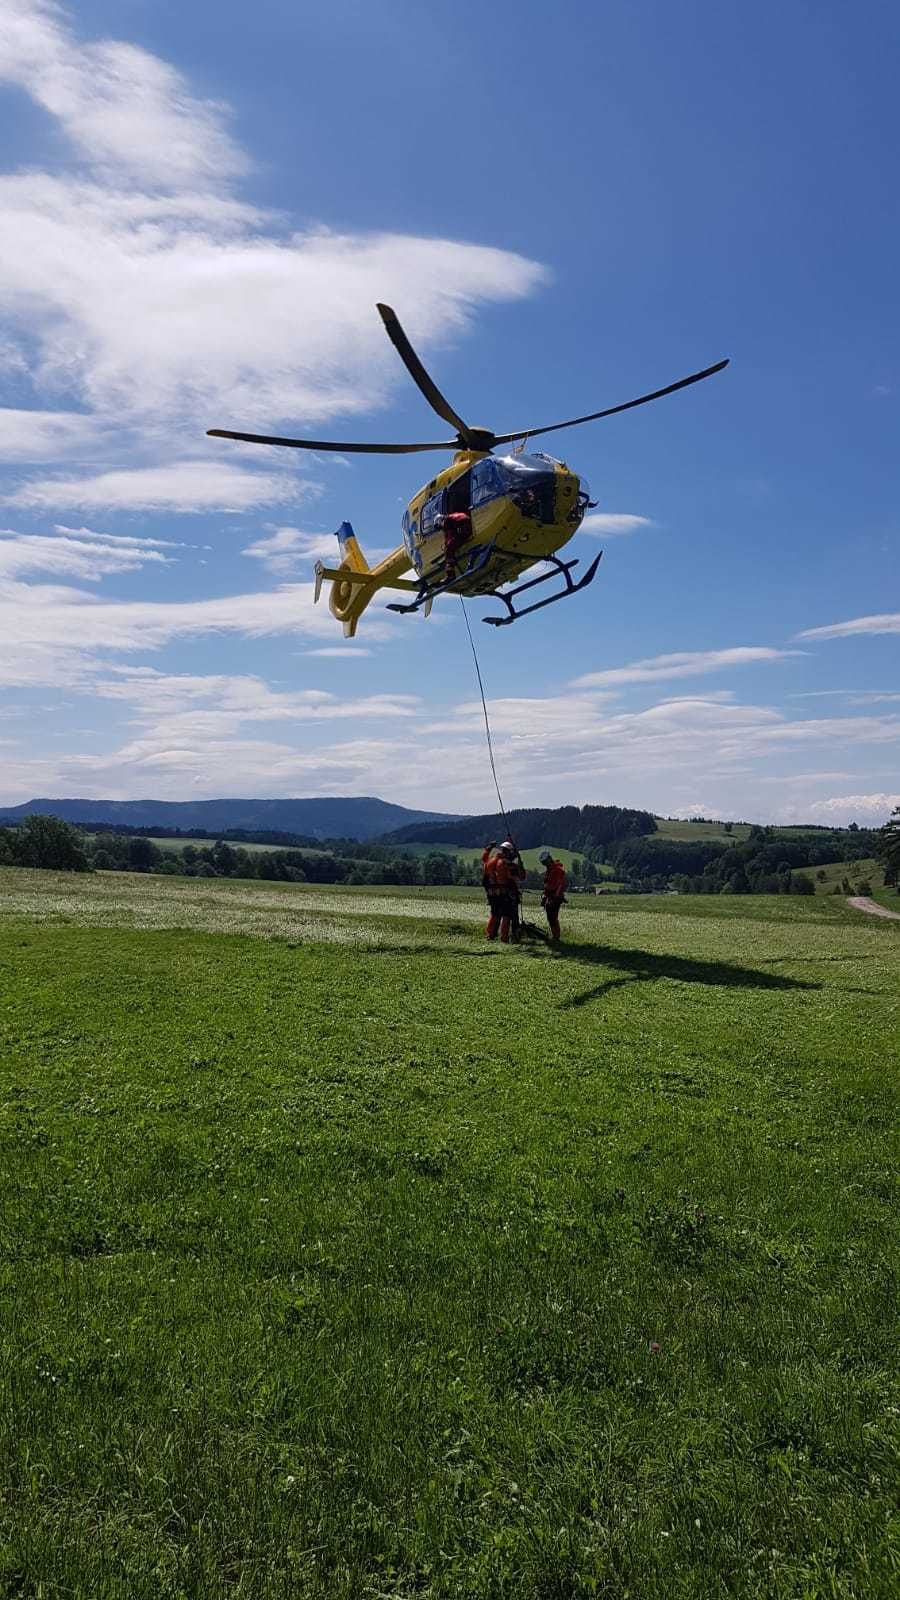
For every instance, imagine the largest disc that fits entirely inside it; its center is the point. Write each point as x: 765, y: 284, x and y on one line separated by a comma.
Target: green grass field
x: 346, y: 1255
x: 207, y: 844
x: 531, y: 858
x: 866, y: 871
x: 666, y: 829
x: 681, y: 829
x: 176, y: 845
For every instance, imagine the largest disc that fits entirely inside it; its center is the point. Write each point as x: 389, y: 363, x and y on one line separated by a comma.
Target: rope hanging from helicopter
x: 525, y: 926
x: 487, y: 724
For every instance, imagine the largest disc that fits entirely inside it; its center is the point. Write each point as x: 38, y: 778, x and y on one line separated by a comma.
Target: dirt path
x: 861, y: 902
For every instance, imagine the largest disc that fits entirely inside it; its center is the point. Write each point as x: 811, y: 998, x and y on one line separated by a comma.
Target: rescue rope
x: 487, y: 725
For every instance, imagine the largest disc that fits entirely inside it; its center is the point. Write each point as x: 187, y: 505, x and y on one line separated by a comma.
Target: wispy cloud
x: 74, y: 554
x: 140, y: 286
x: 125, y: 111
x: 887, y: 622
x: 282, y: 549
x: 181, y: 706
x: 872, y: 808
x: 185, y: 486
x: 35, y: 436
x: 853, y: 697
x: 682, y: 664
x: 612, y: 524
x: 51, y: 634
x: 340, y: 651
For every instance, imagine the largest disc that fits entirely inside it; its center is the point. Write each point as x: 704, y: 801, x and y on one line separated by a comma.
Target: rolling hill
x: 332, y: 817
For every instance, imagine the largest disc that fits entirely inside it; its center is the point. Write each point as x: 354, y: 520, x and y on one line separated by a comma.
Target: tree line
x: 766, y: 863
x: 581, y: 828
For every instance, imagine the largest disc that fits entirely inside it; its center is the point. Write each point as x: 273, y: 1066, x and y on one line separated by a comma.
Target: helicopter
x: 476, y: 526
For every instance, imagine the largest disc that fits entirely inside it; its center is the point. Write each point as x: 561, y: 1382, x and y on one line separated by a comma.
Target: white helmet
x: 545, y: 858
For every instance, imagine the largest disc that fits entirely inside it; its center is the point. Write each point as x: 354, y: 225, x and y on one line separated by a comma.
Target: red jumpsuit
x: 457, y: 529
x: 503, y: 896
x: 555, y: 883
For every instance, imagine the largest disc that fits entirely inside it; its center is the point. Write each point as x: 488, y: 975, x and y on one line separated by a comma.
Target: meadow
x: 344, y: 1254
x: 677, y: 828
x: 829, y: 878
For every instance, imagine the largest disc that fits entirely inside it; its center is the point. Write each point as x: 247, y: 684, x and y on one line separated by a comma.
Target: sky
x: 200, y: 207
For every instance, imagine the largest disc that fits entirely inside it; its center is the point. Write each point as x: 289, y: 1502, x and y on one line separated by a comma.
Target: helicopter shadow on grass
x: 641, y: 966
x: 636, y: 966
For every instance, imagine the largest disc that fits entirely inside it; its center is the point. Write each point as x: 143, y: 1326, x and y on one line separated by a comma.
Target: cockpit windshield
x: 496, y: 475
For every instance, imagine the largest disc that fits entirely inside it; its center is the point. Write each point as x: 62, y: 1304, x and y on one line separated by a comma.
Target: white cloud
x: 649, y: 758
x: 51, y: 634
x: 124, y: 110
x: 133, y: 539
x: 139, y: 288
x: 185, y: 486
x: 709, y: 697
x: 681, y: 664
x: 193, y: 705
x: 73, y: 555
x: 340, y: 651
x: 887, y: 622
x: 281, y: 550
x: 853, y: 697
x: 610, y: 524
x: 45, y: 435
x: 871, y: 808
x: 196, y: 313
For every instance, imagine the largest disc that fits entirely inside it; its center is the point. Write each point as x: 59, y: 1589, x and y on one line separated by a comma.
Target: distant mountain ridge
x: 326, y: 817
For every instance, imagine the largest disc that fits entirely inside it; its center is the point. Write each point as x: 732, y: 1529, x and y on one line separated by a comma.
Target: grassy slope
x: 341, y: 1266
x: 701, y: 830
x: 467, y: 852
x: 177, y: 845
x: 836, y: 871
x: 740, y: 830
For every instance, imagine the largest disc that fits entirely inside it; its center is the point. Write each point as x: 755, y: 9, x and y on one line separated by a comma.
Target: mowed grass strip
x: 418, y: 1267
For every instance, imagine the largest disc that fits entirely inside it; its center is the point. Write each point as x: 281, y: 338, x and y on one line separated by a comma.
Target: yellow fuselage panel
x: 519, y: 540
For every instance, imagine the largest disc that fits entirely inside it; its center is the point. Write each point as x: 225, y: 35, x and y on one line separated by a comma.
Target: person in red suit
x: 456, y: 527
x: 503, y: 874
x: 555, y: 884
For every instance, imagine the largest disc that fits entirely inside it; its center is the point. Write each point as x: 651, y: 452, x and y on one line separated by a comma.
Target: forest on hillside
x: 769, y: 861
x: 584, y: 828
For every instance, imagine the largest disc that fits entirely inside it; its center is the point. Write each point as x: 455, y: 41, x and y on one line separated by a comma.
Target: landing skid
x: 429, y: 592
x: 564, y: 568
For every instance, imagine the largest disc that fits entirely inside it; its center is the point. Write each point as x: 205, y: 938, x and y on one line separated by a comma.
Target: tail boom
x: 354, y: 582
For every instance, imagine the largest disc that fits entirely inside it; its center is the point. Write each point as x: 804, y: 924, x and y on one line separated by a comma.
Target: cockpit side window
x: 486, y: 481
x: 432, y: 509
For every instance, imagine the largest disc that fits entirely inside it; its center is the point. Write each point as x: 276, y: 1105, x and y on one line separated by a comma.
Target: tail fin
x: 354, y: 582
x: 350, y: 593
x: 351, y: 555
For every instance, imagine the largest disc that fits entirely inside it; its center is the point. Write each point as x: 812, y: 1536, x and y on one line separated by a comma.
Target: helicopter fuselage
x: 522, y: 509
x: 523, y: 506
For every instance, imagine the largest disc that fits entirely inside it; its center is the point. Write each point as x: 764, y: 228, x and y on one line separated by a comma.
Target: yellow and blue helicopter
x: 477, y: 525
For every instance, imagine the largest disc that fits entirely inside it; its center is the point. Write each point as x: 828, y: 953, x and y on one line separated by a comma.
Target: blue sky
x: 201, y: 205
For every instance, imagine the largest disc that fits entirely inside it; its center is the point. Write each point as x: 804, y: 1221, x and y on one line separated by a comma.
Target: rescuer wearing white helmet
x: 504, y: 872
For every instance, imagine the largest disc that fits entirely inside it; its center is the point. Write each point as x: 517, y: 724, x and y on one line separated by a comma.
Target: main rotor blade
x: 611, y: 411
x: 332, y: 444
x: 417, y: 372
